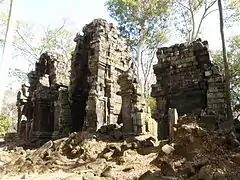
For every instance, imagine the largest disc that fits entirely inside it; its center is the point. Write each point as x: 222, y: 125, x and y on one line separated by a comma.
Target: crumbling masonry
x: 188, y: 81
x: 98, y: 88
x: 45, y: 107
x: 101, y: 81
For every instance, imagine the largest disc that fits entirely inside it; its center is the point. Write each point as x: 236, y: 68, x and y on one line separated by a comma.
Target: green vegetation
x: 152, y: 103
x: 4, y: 124
x: 234, y: 69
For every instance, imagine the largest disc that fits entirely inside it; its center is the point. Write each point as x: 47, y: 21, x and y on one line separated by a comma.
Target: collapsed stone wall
x: 188, y: 81
x: 51, y: 72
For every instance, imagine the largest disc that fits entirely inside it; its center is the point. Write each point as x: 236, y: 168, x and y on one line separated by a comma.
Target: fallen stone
x: 20, y: 161
x: 73, y: 177
x: 135, y: 145
x: 97, y: 166
x: 121, y: 160
x: 90, y: 176
x: 232, y: 140
x: 219, y: 175
x: 147, y: 143
x: 108, y: 155
x: 167, y: 169
x: 148, y: 176
x: 118, y: 152
x: 205, y: 173
x: 25, y: 177
x: 188, y: 169
x: 169, y: 178
x: 128, y: 168
x: 167, y: 149
x: 236, y: 158
x: 118, y: 135
x: 107, y: 172
x: 40, y: 151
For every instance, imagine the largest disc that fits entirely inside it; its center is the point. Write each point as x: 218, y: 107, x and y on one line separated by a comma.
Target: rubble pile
x: 196, y: 152
x: 85, y: 154
x: 199, y: 152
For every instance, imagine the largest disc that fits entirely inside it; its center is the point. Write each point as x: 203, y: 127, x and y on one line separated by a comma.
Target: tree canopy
x: 143, y: 25
x: 234, y: 69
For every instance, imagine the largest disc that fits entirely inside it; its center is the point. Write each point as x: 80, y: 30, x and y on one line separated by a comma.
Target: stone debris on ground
x: 196, y: 152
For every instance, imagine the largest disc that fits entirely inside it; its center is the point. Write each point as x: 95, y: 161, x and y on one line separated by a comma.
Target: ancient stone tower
x: 102, y: 89
x: 98, y: 60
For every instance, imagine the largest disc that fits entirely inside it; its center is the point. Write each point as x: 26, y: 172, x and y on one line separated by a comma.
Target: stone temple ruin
x: 97, y: 88
x: 101, y: 91
x: 187, y: 81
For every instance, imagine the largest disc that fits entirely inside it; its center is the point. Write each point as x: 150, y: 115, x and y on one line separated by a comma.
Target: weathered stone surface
x: 90, y: 91
x: 188, y: 81
x: 73, y: 177
x: 167, y: 149
x: 108, y: 172
x: 40, y: 106
x: 167, y: 169
x: 135, y: 115
x: 98, y: 59
x: 148, y: 176
x: 90, y: 176
x: 219, y: 175
x: 236, y: 158
x: 103, y: 90
x: 205, y: 173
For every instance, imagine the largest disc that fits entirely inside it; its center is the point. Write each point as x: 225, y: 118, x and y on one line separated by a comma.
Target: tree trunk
x: 6, y: 54
x: 226, y: 68
x: 7, y: 29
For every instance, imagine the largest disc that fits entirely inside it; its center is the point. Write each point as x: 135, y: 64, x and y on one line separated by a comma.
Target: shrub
x: 4, y: 123
x: 152, y: 103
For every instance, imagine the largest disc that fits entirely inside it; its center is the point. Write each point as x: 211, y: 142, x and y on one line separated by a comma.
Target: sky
x: 43, y: 13
x: 80, y: 12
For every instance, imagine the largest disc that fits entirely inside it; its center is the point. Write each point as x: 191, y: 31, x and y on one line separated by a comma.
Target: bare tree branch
x: 35, y: 55
x: 205, y: 14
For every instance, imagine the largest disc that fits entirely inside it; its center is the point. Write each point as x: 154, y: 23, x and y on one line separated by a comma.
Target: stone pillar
x: 57, y: 110
x: 127, y: 111
x: 22, y: 131
x: 126, y: 92
x: 173, y: 118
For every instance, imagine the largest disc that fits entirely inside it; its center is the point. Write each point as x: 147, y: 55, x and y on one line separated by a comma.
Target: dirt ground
x: 196, y: 152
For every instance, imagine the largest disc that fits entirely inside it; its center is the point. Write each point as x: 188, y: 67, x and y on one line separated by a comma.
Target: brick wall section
x: 188, y: 81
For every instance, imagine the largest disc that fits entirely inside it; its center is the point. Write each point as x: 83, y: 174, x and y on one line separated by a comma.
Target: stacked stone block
x: 98, y: 60
x: 41, y: 106
x: 186, y: 80
x: 135, y: 115
x: 62, y: 123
